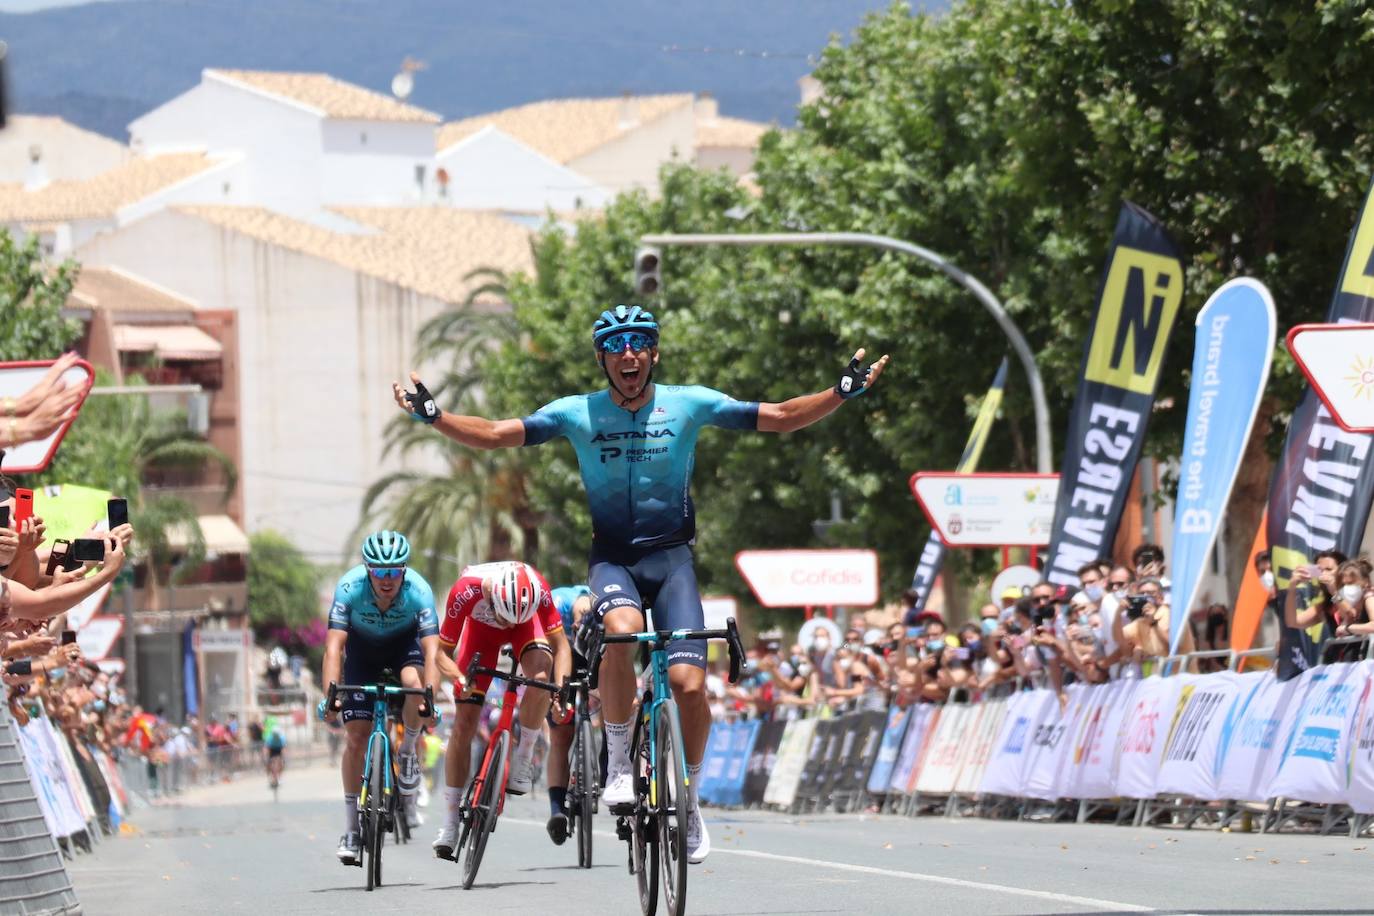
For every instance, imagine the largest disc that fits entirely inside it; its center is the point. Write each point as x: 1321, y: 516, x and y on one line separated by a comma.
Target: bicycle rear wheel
x: 671, y: 813
x: 644, y: 851
x: 483, y: 813
x: 584, y: 769
x: 372, y: 816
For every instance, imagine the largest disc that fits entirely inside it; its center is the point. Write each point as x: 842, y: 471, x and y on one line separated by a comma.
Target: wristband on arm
x: 422, y: 406
x: 853, y: 381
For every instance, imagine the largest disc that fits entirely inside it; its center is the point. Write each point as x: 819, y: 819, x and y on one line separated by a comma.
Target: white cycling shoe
x: 620, y: 788
x: 447, y: 839
x: 698, y: 838
x: 521, y: 778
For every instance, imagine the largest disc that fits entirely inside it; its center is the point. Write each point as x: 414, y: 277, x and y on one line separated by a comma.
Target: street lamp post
x: 1043, y: 459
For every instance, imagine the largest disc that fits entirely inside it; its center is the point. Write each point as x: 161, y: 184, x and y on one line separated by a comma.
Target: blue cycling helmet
x: 623, y: 318
x: 386, y: 548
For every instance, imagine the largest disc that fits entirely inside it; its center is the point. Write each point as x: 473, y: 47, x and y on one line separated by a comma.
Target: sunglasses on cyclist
x: 386, y: 572
x: 617, y: 343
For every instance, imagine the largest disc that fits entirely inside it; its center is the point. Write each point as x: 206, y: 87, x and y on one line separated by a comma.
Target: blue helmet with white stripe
x: 623, y: 318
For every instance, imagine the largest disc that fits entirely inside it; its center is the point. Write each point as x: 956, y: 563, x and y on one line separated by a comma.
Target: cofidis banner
x: 1324, y: 481
x: 1235, y: 344
x: 1142, y: 288
x: 933, y: 556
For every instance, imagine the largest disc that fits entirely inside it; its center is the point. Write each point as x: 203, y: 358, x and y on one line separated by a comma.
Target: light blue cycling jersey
x: 355, y: 609
x: 564, y: 597
x: 637, y: 467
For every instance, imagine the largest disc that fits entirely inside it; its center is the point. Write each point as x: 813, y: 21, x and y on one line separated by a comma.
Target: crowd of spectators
x: 1114, y: 623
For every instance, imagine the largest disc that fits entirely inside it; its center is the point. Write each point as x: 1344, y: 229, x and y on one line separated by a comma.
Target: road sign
x: 98, y: 636
x: 718, y: 610
x: 1338, y: 361
x: 16, y: 379
x: 988, y: 510
x: 810, y: 578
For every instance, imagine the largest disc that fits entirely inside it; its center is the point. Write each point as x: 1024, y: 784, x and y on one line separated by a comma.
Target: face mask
x: 1267, y: 578
x: 1351, y: 593
x: 989, y: 624
x: 1094, y: 592
x: 821, y: 645
x: 975, y: 645
x: 98, y: 705
x: 1083, y: 620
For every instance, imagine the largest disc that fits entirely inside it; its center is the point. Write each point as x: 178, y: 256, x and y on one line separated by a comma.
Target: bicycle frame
x: 655, y: 696
x: 503, y: 724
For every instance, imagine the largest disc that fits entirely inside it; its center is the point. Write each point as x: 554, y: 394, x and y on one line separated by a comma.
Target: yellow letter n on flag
x: 1139, y: 301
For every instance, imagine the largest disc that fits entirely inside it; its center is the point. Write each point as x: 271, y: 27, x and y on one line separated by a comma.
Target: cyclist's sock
x: 524, y: 748
x: 693, y: 777
x: 408, y: 742
x: 558, y: 799
x: 618, y: 744
x: 350, y: 812
x: 453, y: 801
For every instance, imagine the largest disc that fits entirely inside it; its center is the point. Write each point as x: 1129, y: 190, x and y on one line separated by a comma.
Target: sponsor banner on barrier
x: 787, y: 772
x: 943, y: 758
x: 1250, y: 734
x: 813, y: 775
x: 888, y: 749
x: 858, y: 762
x: 981, y: 738
x: 1231, y: 355
x: 713, y: 762
x: 1316, y: 749
x: 56, y: 798
x: 762, y: 758
x: 1144, y: 731
x: 917, y: 730
x: 730, y: 789
x: 1091, y: 770
x: 1361, y: 764
x: 1005, y: 773
x: 1189, y: 765
x: 1059, y: 757
x: 1138, y: 300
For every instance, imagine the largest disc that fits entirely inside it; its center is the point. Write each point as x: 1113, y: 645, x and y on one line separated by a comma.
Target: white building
x: 327, y: 318
x: 37, y: 149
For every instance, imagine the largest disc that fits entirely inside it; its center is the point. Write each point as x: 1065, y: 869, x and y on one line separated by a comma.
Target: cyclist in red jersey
x: 490, y: 605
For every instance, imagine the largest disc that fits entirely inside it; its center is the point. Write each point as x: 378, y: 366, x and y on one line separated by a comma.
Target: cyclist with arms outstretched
x: 635, y: 441
x: 382, y: 619
x: 490, y: 606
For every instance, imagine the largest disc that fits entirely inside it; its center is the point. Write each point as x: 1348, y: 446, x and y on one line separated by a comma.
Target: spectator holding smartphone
x: 1311, y: 590
x: 1146, y: 631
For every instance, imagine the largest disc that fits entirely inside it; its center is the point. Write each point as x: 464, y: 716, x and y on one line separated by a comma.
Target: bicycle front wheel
x: 671, y: 808
x: 483, y: 813
x: 373, y: 820
x: 584, y: 768
x: 644, y: 846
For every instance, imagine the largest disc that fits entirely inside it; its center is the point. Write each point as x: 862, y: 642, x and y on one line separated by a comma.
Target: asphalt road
x: 231, y: 849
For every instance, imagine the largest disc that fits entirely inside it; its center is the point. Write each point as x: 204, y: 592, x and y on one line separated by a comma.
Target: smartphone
x: 68, y: 637
x: 117, y: 511
x: 1314, y: 571
x: 58, y: 557
x: 23, y: 506
x: 4, y: 516
x: 88, y: 549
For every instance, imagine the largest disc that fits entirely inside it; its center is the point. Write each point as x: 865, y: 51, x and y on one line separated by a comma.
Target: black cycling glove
x: 422, y: 406
x: 854, y: 381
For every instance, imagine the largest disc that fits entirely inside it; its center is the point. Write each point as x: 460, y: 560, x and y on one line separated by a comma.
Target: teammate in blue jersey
x: 382, y: 618
x: 635, y: 443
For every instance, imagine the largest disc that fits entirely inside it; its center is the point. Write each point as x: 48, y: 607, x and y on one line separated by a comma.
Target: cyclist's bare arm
x: 562, y: 655
x: 800, y: 412
x: 332, y: 671
x: 474, y: 432
x: 447, y: 667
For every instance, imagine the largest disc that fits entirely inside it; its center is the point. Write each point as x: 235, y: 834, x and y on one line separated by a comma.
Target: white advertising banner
x: 948, y: 746
x: 1361, y: 791
x: 1249, y: 735
x: 787, y: 770
x: 981, y: 739
x: 1091, y: 773
x: 1052, y: 745
x: 1144, y: 732
x: 810, y: 578
x: 988, y: 510
x: 1317, y: 746
x: 1005, y: 773
x: 61, y: 811
x: 1190, y: 755
x: 923, y: 716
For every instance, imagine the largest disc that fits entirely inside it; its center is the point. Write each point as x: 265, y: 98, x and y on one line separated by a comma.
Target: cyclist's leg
x: 357, y: 719
x: 457, y: 763
x: 560, y: 744
x: 616, y: 602
x: 536, y: 661
x: 407, y: 759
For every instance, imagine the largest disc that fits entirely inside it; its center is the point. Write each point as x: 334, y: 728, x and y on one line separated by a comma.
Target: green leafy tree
x: 283, y: 586
x: 31, y: 299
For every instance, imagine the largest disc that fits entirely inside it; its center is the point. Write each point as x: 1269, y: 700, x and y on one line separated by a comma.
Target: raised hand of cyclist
x: 419, y: 404
x: 857, y: 378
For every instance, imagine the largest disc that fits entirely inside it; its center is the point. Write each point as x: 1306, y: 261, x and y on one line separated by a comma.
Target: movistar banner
x: 1323, y: 483
x: 933, y: 556
x: 1235, y: 344
x: 1142, y: 288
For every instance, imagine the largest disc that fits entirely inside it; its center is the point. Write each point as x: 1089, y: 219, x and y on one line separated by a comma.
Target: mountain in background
x: 100, y: 65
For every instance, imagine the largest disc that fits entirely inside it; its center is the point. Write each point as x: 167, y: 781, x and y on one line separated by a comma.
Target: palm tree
x: 477, y: 507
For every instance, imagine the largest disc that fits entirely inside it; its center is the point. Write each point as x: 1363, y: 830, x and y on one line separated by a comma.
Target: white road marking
x: 1092, y: 903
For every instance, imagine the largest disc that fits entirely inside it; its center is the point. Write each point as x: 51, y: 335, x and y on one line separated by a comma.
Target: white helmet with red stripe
x: 516, y: 593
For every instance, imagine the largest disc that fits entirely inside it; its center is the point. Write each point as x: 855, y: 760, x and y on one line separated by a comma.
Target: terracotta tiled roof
x: 331, y: 97
x: 102, y: 195
x: 116, y: 291
x: 564, y: 129
x: 730, y: 132
x: 427, y: 249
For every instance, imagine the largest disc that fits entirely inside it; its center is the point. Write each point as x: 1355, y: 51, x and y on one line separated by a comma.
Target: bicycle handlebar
x: 729, y: 633
x: 335, y: 702
x: 510, y: 677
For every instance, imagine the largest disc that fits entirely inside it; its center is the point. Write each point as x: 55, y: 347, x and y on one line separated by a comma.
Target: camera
x: 1135, y: 606
x: 1013, y: 627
